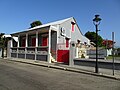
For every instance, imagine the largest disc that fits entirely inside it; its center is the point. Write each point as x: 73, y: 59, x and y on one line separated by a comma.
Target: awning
x: 6, y: 36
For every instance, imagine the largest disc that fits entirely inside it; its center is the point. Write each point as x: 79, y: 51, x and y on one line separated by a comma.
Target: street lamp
x: 96, y: 22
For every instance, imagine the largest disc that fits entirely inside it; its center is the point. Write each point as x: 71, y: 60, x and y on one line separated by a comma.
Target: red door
x: 44, y: 41
x: 63, y: 56
x: 33, y: 41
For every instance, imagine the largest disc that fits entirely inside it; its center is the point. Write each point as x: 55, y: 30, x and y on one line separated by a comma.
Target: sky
x: 16, y: 15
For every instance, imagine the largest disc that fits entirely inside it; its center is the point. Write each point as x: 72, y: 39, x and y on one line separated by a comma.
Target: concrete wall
x: 101, y: 64
x: 0, y: 52
x: 8, y: 48
x: 54, y: 44
x: 101, y: 53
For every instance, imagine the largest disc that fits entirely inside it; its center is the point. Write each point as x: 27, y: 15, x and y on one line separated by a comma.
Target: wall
x: 101, y: 53
x: 74, y: 36
x: 6, y: 50
x: 53, y: 43
x: 0, y: 52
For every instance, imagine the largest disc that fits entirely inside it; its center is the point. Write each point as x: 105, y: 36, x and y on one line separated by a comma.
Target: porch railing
x: 41, y: 50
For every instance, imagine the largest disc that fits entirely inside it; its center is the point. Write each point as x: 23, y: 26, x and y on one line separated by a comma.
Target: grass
x: 116, y: 57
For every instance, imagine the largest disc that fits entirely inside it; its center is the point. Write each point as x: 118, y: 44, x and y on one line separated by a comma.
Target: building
x: 48, y: 42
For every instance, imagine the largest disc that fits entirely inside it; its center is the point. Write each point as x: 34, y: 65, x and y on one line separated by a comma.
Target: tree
x: 35, y: 23
x: 92, y: 37
x: 4, y: 42
x: 1, y: 40
x: 108, y: 44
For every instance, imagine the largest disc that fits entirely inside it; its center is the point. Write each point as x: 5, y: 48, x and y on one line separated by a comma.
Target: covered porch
x: 37, y: 44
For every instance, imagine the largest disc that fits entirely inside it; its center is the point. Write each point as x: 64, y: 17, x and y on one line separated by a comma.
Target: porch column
x: 18, y: 45
x: 26, y: 41
x: 26, y: 44
x: 49, y: 46
x: 11, y: 46
x: 11, y: 42
x: 36, y: 38
x: 36, y: 43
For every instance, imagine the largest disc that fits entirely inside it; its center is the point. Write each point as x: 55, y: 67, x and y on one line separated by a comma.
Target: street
x: 20, y: 76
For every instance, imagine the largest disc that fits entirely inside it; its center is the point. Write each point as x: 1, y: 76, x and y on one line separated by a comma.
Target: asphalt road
x: 20, y: 76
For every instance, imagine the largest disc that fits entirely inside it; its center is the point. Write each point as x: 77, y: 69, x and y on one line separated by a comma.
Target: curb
x: 72, y: 69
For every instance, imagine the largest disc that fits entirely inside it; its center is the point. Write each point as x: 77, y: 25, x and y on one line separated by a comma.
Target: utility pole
x: 113, y: 52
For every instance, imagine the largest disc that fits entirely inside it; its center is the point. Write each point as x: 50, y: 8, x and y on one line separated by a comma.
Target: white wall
x: 74, y: 36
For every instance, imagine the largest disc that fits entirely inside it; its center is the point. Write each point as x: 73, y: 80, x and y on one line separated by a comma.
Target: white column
x: 49, y: 46
x: 11, y: 42
x: 26, y: 45
x: 36, y: 38
x: 36, y: 44
x: 18, y: 45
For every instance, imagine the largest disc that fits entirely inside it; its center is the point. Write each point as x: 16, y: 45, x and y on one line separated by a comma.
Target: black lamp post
x: 96, y: 22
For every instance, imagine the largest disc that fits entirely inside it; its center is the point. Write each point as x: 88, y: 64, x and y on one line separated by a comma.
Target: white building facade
x: 47, y: 42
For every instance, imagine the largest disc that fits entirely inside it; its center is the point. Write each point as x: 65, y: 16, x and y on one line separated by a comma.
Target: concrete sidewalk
x: 78, y: 69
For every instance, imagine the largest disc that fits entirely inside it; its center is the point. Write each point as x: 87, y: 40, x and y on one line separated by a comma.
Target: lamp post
x: 96, y: 22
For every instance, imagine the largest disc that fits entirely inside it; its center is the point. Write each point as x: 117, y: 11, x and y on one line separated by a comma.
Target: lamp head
x: 97, y: 19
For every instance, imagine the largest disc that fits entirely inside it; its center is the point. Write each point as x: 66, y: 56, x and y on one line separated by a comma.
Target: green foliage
x: 35, y: 23
x: 1, y: 40
x: 118, y: 49
x: 92, y: 37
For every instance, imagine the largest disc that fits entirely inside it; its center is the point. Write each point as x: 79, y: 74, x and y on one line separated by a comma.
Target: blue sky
x: 16, y: 15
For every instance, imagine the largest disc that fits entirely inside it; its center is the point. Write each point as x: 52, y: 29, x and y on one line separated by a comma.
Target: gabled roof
x: 46, y: 25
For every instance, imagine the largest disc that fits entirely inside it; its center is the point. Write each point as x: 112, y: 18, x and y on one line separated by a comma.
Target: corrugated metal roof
x: 49, y: 24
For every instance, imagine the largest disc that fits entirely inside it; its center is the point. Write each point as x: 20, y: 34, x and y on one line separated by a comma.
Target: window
x: 73, y: 26
x: 23, y: 42
x: 32, y: 40
x: 44, y: 41
x: 67, y: 42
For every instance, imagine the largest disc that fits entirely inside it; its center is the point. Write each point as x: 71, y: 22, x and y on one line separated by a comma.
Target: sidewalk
x: 78, y: 69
